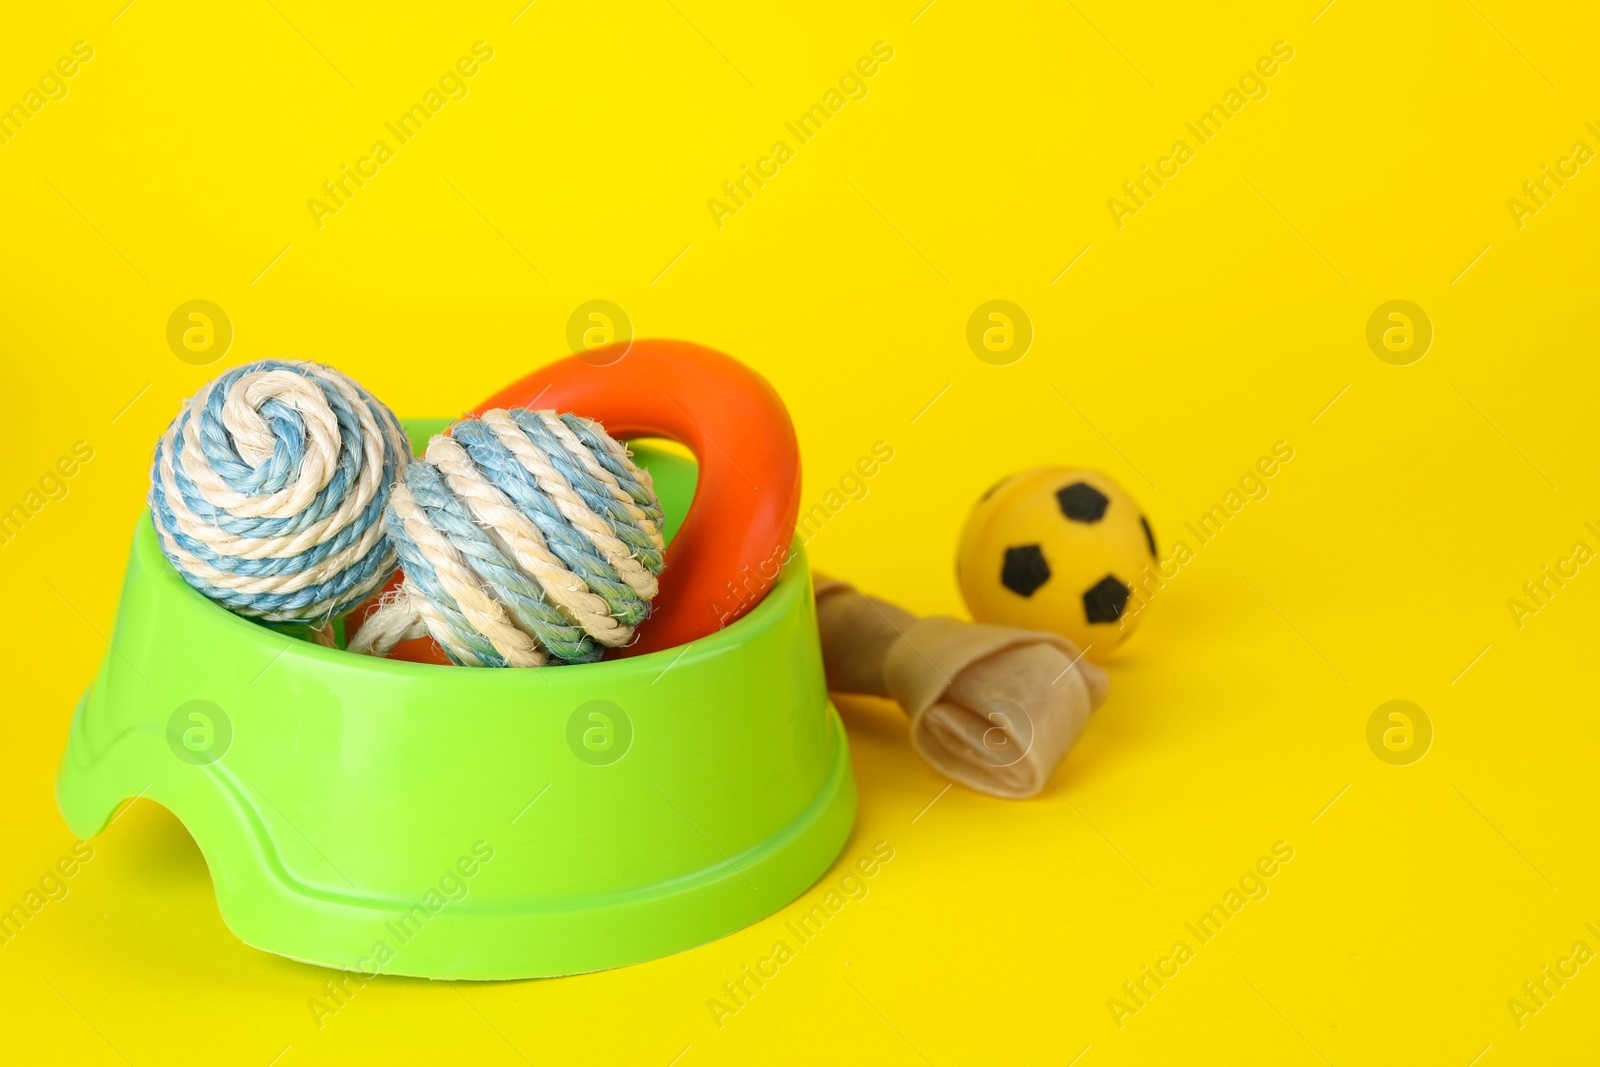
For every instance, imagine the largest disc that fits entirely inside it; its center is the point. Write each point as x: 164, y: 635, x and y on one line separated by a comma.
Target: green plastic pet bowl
x: 449, y: 822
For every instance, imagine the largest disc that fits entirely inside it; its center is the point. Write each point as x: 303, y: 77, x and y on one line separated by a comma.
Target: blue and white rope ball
x: 525, y: 537
x: 268, y: 491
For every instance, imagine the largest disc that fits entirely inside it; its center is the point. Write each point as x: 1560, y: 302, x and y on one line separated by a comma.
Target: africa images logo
x: 452, y: 85
x: 1252, y: 85
x: 1253, y: 885
x: 852, y: 85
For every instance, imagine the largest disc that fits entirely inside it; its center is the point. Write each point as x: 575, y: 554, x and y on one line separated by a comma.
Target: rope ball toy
x: 525, y: 537
x: 732, y: 545
x: 268, y: 490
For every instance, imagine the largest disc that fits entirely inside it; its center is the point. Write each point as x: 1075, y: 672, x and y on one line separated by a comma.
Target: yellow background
x: 1223, y: 317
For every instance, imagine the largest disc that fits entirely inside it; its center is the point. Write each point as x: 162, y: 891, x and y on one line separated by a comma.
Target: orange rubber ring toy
x: 727, y: 554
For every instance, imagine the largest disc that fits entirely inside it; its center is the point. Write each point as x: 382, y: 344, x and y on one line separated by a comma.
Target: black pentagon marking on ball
x: 1104, y: 601
x: 1024, y: 570
x: 1149, y: 537
x: 1082, y: 502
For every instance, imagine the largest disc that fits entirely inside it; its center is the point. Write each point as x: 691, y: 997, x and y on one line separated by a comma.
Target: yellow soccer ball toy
x: 1061, y: 549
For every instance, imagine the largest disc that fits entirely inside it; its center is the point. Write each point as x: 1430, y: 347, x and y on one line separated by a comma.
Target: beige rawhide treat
x: 992, y: 707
